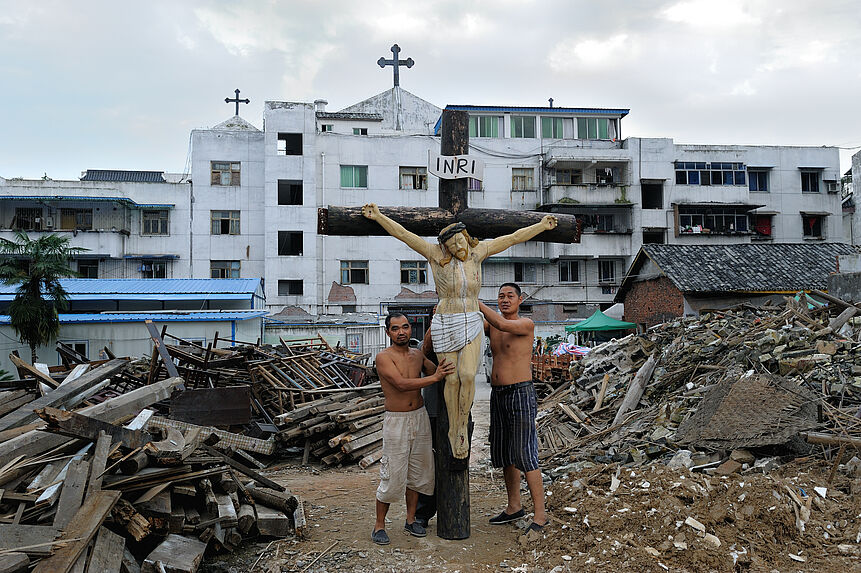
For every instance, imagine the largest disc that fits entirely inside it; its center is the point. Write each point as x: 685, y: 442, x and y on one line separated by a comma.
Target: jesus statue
x: 458, y: 325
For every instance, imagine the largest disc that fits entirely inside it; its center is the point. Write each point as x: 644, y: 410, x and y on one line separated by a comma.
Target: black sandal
x: 506, y: 517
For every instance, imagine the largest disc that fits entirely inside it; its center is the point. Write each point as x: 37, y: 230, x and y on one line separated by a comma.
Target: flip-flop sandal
x: 507, y: 517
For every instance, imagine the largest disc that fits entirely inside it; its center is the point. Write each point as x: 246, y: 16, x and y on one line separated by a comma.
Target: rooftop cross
x: 395, y: 62
x: 237, y: 101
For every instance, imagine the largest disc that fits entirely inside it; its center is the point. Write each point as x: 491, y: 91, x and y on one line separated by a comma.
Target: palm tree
x: 36, y: 266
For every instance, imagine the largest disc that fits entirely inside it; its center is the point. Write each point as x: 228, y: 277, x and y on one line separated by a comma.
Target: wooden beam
x: 73, y: 492
x: 79, y: 532
x: 77, y: 425
x: 243, y: 469
x: 20, y: 364
x: 107, y: 553
x: 65, y: 395
x: 454, y: 140
x: 35, y: 540
x: 162, y: 351
x: 225, y: 406
x: 636, y: 388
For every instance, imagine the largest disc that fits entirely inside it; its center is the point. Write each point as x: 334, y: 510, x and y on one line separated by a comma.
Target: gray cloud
x: 111, y: 84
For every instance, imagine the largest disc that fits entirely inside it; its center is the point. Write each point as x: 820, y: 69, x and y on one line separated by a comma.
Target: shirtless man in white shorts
x: 406, y: 468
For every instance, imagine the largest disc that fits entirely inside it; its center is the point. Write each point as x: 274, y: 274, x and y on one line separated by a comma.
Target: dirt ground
x: 603, y: 518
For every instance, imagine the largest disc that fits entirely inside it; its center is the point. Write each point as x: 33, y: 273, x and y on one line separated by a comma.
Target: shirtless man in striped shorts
x: 513, y: 405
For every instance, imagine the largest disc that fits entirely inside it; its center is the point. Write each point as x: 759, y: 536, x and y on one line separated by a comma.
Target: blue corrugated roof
x: 621, y: 112
x: 195, y: 316
x: 124, y: 176
x: 85, y: 198
x: 151, y: 289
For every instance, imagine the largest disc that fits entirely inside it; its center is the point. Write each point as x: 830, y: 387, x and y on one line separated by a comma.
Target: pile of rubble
x: 146, y: 465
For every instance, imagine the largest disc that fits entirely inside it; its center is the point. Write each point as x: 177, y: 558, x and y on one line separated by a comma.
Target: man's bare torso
x: 512, y: 357
x: 409, y: 364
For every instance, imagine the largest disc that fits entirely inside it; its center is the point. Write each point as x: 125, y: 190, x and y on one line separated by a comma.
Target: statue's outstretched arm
x: 413, y: 241
x: 499, y: 244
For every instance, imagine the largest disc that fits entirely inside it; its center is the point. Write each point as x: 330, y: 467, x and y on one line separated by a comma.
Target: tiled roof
x: 124, y: 176
x: 753, y: 267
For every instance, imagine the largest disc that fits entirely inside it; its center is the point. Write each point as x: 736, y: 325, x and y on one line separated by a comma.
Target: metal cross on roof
x: 237, y: 101
x: 395, y: 63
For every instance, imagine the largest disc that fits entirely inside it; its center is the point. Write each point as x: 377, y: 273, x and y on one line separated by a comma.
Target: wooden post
x: 452, y: 480
x: 454, y: 140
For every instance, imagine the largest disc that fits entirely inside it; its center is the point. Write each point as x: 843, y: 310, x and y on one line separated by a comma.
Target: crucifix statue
x: 455, y: 262
x: 237, y: 101
x: 395, y: 63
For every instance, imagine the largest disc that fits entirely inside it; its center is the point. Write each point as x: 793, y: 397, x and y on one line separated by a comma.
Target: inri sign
x: 455, y: 166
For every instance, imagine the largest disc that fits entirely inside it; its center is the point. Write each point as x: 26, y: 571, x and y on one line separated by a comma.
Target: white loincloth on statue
x: 451, y: 332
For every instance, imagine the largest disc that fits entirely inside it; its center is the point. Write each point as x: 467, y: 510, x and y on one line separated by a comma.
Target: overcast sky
x: 112, y: 84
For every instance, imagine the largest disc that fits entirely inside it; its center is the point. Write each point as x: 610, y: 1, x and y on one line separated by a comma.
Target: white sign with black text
x: 455, y: 166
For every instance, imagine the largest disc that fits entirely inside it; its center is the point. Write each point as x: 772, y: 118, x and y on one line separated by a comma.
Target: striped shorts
x: 513, y: 438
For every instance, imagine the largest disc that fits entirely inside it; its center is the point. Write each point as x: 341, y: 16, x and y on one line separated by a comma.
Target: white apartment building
x: 250, y: 205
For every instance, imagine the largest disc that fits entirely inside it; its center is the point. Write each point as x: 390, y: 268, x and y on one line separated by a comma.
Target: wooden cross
x: 395, y: 63
x: 452, y: 474
x: 237, y: 101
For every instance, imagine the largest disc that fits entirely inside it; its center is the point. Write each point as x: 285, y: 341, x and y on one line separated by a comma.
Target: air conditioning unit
x: 831, y: 186
x: 49, y: 222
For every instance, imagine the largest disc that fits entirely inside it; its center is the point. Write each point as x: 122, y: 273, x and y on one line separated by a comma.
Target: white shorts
x: 451, y: 332
x: 407, y: 460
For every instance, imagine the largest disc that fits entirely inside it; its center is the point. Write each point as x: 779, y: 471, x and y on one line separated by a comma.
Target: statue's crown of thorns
x: 451, y: 231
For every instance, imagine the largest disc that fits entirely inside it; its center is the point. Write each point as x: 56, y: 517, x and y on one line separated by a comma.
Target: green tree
x: 36, y: 266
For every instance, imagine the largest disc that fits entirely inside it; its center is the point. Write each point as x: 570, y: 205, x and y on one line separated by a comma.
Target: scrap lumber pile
x: 116, y: 465
x: 769, y: 379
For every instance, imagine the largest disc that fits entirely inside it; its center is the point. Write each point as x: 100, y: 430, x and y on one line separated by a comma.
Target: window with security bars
x: 413, y: 177
x: 569, y: 176
x: 414, y: 272
x: 522, y: 179
x: 474, y: 185
x: 569, y: 271
x: 354, y: 176
x: 155, y: 222
x: 225, y: 222
x: 76, y: 219
x: 354, y: 272
x: 27, y: 219
x: 88, y: 269
x: 225, y: 173
x: 525, y: 272
x: 153, y: 269
x: 522, y: 126
x: 224, y: 269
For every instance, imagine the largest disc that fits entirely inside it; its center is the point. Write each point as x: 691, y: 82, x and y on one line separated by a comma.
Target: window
x: 551, y: 127
x: 757, y: 179
x: 155, y: 222
x: 80, y: 219
x: 712, y: 220
x: 569, y: 271
x: 225, y: 222
x: 653, y: 195
x: 474, y: 184
x: 569, y: 176
x: 414, y: 177
x: 606, y: 175
x: 354, y: 272
x: 224, y: 173
x: 525, y: 272
x: 289, y: 191
x: 327, y: 128
x: 88, y: 269
x: 522, y: 126
x: 596, y: 128
x: 414, y: 272
x: 289, y: 144
x: 810, y: 181
x: 654, y: 237
x: 812, y: 226
x: 360, y: 131
x: 483, y: 126
x: 714, y: 173
x: 355, y: 176
x: 290, y: 287
x: 81, y: 347
x: 289, y: 243
x: 27, y: 219
x: 762, y: 225
x: 604, y: 223
x: 606, y: 271
x: 224, y: 269
x: 153, y: 269
x: 522, y: 179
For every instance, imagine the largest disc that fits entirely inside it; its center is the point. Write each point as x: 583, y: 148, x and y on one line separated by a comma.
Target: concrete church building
x: 249, y: 206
